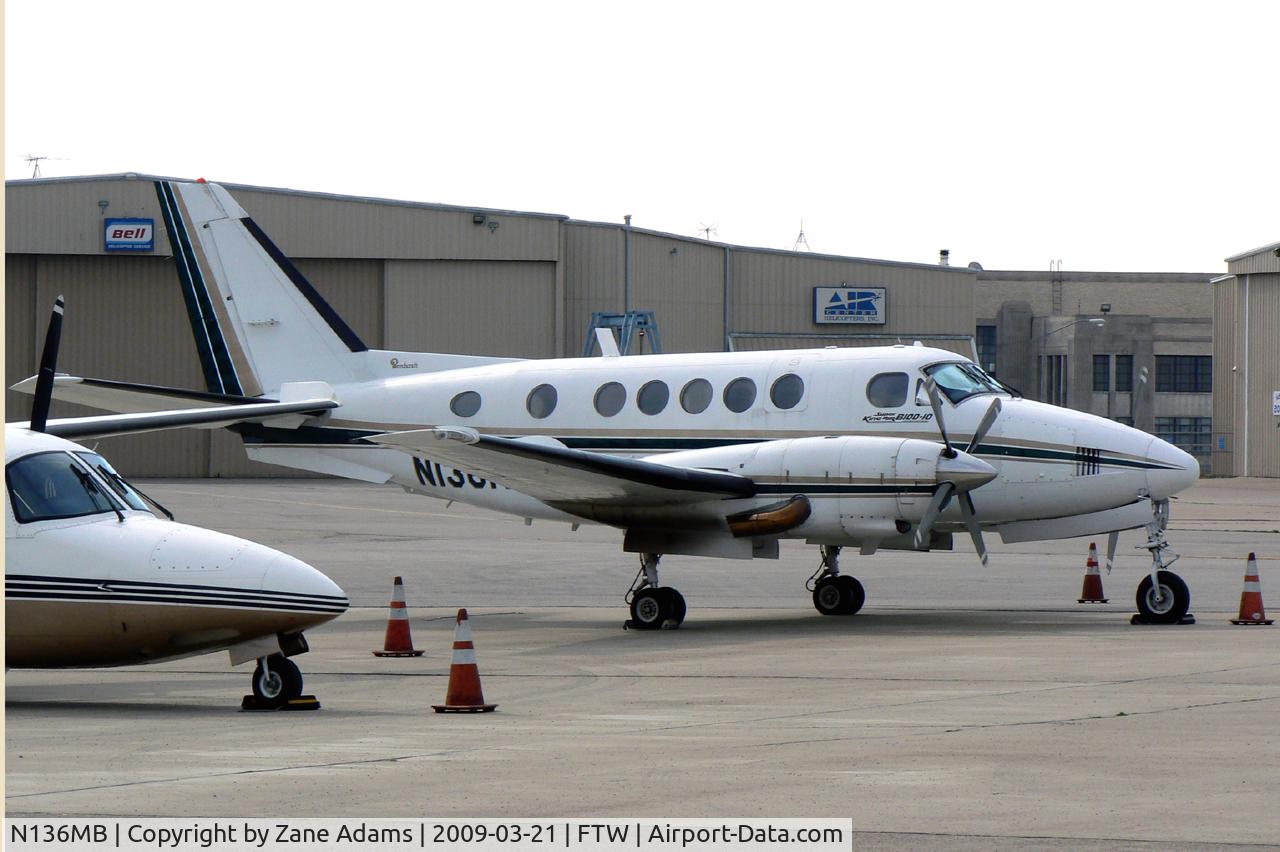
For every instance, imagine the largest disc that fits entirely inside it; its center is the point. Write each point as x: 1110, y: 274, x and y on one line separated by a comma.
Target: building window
x: 1124, y: 373
x: 1184, y: 373
x: 986, y: 342
x: 1102, y: 372
x: 1124, y: 421
x: 1055, y: 379
x: 1190, y: 434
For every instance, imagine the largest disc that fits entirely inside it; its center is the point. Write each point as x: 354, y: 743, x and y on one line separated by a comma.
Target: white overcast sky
x: 1120, y: 135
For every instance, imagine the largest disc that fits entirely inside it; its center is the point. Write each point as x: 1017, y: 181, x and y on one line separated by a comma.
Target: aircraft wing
x: 78, y: 428
x: 557, y: 474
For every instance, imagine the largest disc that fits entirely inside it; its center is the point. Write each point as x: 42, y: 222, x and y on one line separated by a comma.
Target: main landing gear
x: 835, y: 593
x: 1163, y: 597
x: 653, y: 606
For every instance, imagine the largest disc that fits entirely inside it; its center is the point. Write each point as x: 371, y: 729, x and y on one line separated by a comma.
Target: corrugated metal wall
x: 1225, y: 378
x: 1264, y: 374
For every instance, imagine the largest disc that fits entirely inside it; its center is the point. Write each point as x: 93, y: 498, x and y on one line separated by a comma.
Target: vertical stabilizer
x: 258, y: 323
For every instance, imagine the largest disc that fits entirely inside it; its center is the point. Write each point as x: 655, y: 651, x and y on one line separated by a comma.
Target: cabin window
x: 787, y: 390
x: 653, y: 397
x: 739, y: 394
x: 541, y: 401
x: 51, y: 485
x: 696, y: 396
x: 465, y: 404
x: 888, y: 390
x: 610, y: 398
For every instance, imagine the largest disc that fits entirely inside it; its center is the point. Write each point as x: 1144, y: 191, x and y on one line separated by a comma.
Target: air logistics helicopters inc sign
x: 849, y: 304
x: 129, y: 235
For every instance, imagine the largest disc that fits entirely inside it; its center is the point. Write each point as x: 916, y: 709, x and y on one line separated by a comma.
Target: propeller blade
x: 971, y: 524
x: 931, y: 512
x: 988, y: 420
x: 1112, y: 541
x: 931, y: 388
x: 48, y: 365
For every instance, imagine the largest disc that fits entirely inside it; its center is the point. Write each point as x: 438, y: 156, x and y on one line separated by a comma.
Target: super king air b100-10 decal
x: 712, y: 453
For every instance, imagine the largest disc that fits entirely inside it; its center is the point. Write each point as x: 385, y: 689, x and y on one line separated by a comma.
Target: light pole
x: 1057, y: 393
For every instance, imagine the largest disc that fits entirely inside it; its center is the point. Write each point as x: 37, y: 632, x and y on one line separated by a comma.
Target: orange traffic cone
x: 1092, y: 591
x: 1251, y: 611
x: 465, y: 695
x: 399, y: 643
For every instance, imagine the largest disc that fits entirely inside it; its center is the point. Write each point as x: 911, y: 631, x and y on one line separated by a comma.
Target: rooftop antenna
x: 34, y: 161
x: 708, y: 231
x: 800, y: 240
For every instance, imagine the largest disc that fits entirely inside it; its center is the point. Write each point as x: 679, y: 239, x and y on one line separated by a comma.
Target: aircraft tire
x: 1175, y: 605
x: 279, y: 681
x: 650, y: 607
x: 677, y: 607
x: 829, y: 596
x: 853, y: 596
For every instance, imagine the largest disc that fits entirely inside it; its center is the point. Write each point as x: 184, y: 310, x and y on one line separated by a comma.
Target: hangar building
x: 1246, y: 365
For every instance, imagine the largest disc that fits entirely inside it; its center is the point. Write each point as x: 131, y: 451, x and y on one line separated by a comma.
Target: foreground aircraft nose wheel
x: 839, y: 595
x: 1165, y: 603
x: 278, y: 681
x: 652, y: 607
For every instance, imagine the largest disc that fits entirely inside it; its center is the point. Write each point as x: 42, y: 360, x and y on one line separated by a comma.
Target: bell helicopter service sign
x: 849, y: 304
x: 129, y: 235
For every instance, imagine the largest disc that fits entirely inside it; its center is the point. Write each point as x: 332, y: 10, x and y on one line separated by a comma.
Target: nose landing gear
x: 277, y: 685
x: 1163, y: 596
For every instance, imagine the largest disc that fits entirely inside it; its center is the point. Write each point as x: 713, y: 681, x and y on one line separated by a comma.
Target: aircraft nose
x: 1175, y: 469
x: 298, y: 586
x: 966, y: 472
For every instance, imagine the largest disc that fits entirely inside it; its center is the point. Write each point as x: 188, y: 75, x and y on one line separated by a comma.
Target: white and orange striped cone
x: 399, y: 642
x: 1092, y: 590
x: 1251, y: 610
x: 465, y: 695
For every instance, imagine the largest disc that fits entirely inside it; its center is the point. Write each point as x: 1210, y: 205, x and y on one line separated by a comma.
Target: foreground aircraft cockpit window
x: 960, y: 380
x: 46, y: 486
x: 123, y: 489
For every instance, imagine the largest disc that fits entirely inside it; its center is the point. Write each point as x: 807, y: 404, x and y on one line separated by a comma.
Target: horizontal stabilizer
x: 78, y: 428
x: 557, y: 474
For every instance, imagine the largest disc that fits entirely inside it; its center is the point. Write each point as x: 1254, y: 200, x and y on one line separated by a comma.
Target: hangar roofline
x: 306, y: 193
x: 763, y: 250
x: 1251, y: 252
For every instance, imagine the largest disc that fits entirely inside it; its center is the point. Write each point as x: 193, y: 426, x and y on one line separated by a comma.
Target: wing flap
x: 557, y: 474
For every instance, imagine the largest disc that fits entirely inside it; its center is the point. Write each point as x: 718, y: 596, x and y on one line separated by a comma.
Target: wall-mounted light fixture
x: 478, y: 218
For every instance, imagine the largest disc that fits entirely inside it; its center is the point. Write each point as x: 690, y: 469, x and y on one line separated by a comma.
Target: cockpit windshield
x: 124, y: 490
x: 960, y: 380
x: 52, y: 485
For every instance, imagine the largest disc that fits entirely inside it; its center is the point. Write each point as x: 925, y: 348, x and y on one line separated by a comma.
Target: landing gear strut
x: 835, y: 593
x: 653, y: 606
x: 1163, y: 597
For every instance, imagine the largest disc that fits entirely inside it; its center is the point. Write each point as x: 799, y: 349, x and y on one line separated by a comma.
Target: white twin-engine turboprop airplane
x: 714, y: 454
x: 93, y: 578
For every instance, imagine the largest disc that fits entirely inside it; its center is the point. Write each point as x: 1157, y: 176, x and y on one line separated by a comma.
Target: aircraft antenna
x: 801, y: 241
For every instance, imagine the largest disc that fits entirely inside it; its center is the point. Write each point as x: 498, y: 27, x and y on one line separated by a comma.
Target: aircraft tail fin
x: 258, y: 322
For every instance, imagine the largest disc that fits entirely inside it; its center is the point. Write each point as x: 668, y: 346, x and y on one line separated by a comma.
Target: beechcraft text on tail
x: 720, y: 454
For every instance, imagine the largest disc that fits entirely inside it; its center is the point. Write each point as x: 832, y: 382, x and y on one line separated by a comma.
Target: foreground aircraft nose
x: 965, y: 471
x: 300, y: 588
x: 1174, y: 469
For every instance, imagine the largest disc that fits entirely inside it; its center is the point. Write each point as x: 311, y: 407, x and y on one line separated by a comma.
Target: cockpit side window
x: 888, y: 390
x: 46, y: 486
x: 960, y: 380
x: 108, y: 474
